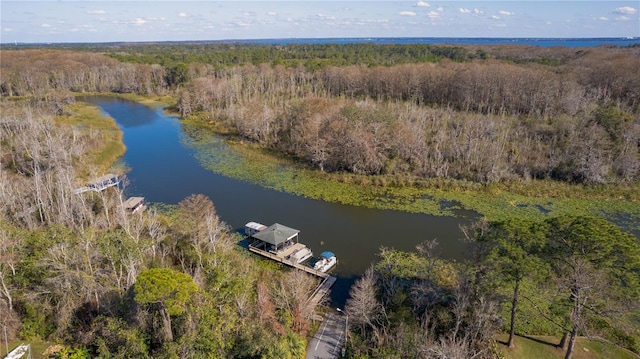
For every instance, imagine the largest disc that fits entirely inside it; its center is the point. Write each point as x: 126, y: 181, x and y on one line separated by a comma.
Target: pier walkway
x: 282, y: 258
x: 321, y: 290
x: 100, y: 184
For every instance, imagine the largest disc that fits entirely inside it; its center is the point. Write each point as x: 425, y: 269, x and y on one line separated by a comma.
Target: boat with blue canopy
x: 327, y: 261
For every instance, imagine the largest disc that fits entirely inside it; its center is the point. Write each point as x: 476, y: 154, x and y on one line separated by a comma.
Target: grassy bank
x: 533, y: 199
x: 38, y: 347
x: 542, y: 347
x: 153, y: 101
x: 105, y: 138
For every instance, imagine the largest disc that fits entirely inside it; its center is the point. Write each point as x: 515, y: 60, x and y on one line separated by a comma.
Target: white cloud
x: 182, y: 14
x: 478, y: 11
x: 139, y: 21
x: 325, y: 17
x: 625, y: 10
x: 464, y: 10
x: 603, y: 18
x: 433, y: 15
x: 96, y: 12
x: 623, y: 18
x: 241, y: 23
x: 407, y: 13
x: 422, y: 4
x: 45, y: 25
x: 505, y: 13
x: 440, y: 8
x: 495, y: 17
x: 272, y: 13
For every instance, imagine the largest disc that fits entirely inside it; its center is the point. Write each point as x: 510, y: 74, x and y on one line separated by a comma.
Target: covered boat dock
x: 275, y: 238
x: 280, y: 243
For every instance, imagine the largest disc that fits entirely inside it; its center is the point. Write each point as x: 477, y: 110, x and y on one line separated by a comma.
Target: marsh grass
x: 106, y: 146
x: 442, y: 197
x: 104, y: 137
x: 153, y: 101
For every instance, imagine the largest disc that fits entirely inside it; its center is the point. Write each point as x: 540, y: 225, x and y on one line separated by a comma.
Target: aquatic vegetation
x: 256, y: 165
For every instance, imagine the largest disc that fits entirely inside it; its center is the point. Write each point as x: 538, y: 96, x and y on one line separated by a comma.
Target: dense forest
x: 574, y: 120
x: 81, y: 271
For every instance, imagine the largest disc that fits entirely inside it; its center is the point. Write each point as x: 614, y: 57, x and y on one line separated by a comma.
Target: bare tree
x: 292, y: 292
x: 363, y: 307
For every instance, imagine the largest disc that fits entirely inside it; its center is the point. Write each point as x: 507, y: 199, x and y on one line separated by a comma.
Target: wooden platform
x: 281, y: 257
x: 327, y: 280
x: 322, y: 290
x: 100, y: 184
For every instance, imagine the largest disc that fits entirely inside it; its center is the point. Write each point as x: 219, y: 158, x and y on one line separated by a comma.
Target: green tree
x: 515, y: 245
x: 177, y: 74
x: 165, y: 291
x: 596, y: 266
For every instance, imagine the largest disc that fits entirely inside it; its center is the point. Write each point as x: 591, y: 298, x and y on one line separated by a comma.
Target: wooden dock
x: 100, y: 184
x: 321, y: 290
x: 281, y: 257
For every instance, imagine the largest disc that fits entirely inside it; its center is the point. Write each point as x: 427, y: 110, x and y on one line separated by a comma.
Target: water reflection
x: 129, y: 116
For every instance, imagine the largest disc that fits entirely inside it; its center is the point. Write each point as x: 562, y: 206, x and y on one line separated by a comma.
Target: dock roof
x: 276, y: 234
x: 132, y: 202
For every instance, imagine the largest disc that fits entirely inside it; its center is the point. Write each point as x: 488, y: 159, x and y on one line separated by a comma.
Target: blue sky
x: 106, y: 21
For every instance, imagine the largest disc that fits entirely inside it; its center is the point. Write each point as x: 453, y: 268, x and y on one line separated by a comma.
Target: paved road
x: 328, y: 341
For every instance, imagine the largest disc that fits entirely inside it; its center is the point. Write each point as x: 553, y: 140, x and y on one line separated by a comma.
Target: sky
x: 60, y: 21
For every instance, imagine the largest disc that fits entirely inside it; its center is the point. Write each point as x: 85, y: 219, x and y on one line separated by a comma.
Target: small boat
x: 327, y: 261
x: 252, y: 228
x: 300, y: 255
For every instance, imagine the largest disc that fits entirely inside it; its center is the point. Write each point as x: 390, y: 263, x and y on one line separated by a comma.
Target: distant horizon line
x: 363, y: 38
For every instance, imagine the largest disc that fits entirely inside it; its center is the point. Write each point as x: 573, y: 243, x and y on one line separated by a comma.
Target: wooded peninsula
x: 80, y: 271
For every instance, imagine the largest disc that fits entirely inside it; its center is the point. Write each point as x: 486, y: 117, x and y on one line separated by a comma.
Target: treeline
x: 43, y: 73
x: 311, y: 56
x: 484, y: 120
x: 81, y: 271
x: 564, y: 277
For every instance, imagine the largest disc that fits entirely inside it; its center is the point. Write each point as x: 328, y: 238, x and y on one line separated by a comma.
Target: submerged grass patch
x: 434, y: 197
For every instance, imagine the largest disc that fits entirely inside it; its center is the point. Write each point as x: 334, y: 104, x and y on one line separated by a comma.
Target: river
x: 165, y: 168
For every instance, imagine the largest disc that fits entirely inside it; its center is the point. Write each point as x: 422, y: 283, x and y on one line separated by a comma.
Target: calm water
x: 164, y: 170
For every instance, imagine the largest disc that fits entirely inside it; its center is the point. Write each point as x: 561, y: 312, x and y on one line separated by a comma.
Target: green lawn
x: 539, y: 347
x: 37, y: 347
